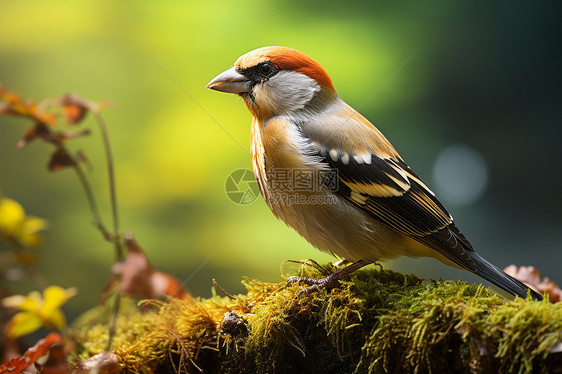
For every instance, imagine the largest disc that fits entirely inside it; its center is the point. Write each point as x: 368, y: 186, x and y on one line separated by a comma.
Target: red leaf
x: 40, y: 349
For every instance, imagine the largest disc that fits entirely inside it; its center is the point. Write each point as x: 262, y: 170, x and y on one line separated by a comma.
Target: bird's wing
x: 389, y: 191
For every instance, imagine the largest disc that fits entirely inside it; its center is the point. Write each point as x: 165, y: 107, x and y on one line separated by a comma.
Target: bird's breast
x: 297, y: 186
x: 284, y: 161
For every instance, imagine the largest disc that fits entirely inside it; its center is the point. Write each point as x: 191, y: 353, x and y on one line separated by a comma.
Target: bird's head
x: 275, y: 81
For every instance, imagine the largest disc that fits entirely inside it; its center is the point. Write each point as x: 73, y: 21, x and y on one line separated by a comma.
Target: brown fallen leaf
x: 60, y: 159
x: 32, y: 355
x: 139, y: 279
x: 39, y: 130
x: 75, y: 107
x: 102, y: 363
x: 56, y: 363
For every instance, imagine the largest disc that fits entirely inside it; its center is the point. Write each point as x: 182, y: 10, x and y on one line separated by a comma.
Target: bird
x: 331, y: 175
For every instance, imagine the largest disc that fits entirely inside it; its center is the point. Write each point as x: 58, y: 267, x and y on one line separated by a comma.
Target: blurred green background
x: 469, y: 92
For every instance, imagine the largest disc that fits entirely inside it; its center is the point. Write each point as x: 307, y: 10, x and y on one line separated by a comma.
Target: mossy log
x: 378, y: 321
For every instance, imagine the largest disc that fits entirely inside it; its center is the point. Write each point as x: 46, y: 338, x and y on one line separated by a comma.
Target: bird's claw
x: 327, y: 283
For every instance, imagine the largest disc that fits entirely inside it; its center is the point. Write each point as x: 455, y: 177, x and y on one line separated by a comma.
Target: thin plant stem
x: 112, y: 189
x: 90, y: 197
x: 45, y: 132
x: 115, y: 217
x: 113, y: 323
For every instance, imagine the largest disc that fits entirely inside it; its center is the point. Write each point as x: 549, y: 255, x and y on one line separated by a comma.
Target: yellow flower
x: 16, y: 226
x: 37, y: 311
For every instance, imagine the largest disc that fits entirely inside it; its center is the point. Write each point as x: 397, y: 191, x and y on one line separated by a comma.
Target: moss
x: 91, y: 330
x: 377, y: 321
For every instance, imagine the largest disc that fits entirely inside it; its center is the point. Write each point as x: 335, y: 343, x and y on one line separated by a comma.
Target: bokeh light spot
x: 461, y: 174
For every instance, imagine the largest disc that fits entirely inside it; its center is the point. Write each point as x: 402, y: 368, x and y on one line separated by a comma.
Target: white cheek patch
x: 289, y: 90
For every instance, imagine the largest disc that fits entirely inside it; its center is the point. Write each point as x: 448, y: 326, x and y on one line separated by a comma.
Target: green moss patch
x: 378, y: 321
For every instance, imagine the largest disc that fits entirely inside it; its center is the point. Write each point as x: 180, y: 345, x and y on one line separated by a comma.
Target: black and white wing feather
x: 389, y: 191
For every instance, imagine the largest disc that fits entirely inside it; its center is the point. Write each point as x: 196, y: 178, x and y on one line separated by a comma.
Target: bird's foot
x: 327, y: 283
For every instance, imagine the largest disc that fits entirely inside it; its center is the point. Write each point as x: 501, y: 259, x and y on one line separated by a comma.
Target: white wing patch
x: 399, y: 181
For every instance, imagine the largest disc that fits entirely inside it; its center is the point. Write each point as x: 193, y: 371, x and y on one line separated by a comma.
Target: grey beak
x: 230, y: 81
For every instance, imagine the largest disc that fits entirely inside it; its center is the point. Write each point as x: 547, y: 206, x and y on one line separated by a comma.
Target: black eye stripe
x: 261, y: 72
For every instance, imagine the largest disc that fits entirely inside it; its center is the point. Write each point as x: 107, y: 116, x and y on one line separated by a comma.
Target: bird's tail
x: 493, y: 274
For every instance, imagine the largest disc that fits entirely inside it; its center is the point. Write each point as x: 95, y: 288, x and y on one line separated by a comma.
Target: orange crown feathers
x: 287, y: 59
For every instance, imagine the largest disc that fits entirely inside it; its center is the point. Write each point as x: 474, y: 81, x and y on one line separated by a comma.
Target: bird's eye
x: 266, y: 69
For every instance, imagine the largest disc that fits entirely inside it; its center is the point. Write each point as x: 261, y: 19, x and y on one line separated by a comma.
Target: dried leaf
x: 39, y: 350
x: 102, y: 363
x: 56, y: 363
x: 74, y: 114
x: 29, y: 135
x: 14, y: 105
x: 61, y: 159
x: 138, y: 278
x: 38, y: 131
x: 165, y: 284
x: 532, y: 278
x: 69, y: 135
x: 75, y: 108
